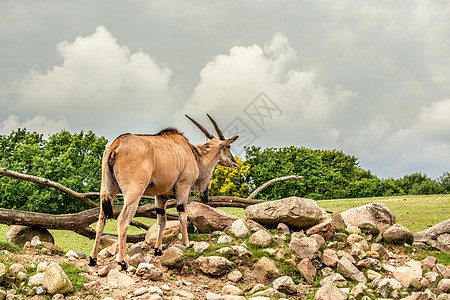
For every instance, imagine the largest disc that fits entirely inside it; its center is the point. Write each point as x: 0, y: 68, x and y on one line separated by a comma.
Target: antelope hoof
x: 92, y: 261
x: 158, y: 252
x: 123, y: 264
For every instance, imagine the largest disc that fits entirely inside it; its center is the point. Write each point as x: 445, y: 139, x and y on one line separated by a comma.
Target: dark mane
x: 169, y: 130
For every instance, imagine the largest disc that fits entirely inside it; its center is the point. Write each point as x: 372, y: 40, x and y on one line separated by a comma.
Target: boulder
x: 19, y: 235
x: 260, y: 238
x: 307, y: 270
x: 335, y: 279
x: 306, y: 247
x: 405, y: 274
x: 346, y: 268
x: 285, y: 284
x: 444, y: 285
x: 330, y: 292
x: 239, y: 229
x: 376, y: 213
x: 266, y: 269
x: 398, y: 234
x: 329, y: 258
x: 208, y: 219
x: 324, y: 228
x: 170, y: 232
x: 173, y: 258
x: 55, y: 281
x: 214, y: 265
x: 148, y: 271
x: 431, y: 235
x: 117, y: 279
x: 293, y: 211
x: 337, y: 221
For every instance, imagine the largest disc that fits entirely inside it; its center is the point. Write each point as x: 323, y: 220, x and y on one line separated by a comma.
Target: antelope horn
x: 219, y: 132
x: 203, y: 129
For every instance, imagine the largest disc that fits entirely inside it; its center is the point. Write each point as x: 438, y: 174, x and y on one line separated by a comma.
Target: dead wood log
x: 264, y: 185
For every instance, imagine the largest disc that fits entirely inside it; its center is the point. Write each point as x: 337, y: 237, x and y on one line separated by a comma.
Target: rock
x: 306, y: 247
x: 369, y: 263
x: 260, y: 238
x: 431, y: 235
x: 329, y: 258
x: 346, y: 268
x: 226, y: 250
x: 200, y: 246
x: 398, y: 234
x: 342, y: 253
x: 224, y: 239
x: 256, y: 288
x: 136, y: 249
x: 285, y: 284
x: 335, y: 279
x: 19, y: 235
x: 369, y: 228
x: 136, y: 259
x: 213, y: 296
x: 376, y: 213
x: 293, y: 211
x: 208, y: 219
x: 35, y: 241
x: 283, y: 229
x: 353, y: 229
x: 271, y: 293
x: 444, y: 285
x: 231, y: 290
x: 36, y: 279
x: 238, y: 228
x: 214, y: 265
x: 241, y: 251
x: 405, y: 274
x: 107, y: 240
x: 330, y: 292
x: 71, y: 253
x: 102, y: 272
x: 55, y: 281
x: 183, y: 295
x: 358, y: 251
x: 266, y: 269
x: 254, y: 226
x: 442, y: 270
x: 358, y: 290
x: 356, y: 238
x: 117, y: 279
x: 433, y: 277
x: 235, y: 276
x: 443, y: 242
x: 324, y: 228
x: 337, y: 221
x: 148, y: 271
x: 307, y: 270
x: 16, y: 268
x: 380, y: 250
x: 170, y: 232
x: 372, y: 275
x: 173, y: 257
x: 429, y: 262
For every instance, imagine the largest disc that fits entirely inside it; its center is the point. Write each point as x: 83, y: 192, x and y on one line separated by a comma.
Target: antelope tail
x: 108, y: 175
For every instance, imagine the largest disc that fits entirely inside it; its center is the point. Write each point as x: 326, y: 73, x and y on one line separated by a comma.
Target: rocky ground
x: 331, y: 260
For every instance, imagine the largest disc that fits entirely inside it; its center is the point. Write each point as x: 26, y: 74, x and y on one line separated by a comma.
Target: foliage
x: 71, y: 159
x: 231, y: 182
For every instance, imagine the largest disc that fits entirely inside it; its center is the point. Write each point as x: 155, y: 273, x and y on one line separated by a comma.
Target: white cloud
x: 100, y: 84
x: 229, y: 83
x: 40, y: 124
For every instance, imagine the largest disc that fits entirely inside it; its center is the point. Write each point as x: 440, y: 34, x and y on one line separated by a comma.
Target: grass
x: 415, y: 212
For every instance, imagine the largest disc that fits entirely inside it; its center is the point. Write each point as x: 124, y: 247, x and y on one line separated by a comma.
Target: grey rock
x: 307, y: 270
x: 444, y: 285
x: 266, y: 269
x: 356, y: 238
x: 270, y: 292
x: 358, y: 251
x: 184, y: 294
x: 293, y: 211
x: 337, y: 221
x: 200, y: 246
x: 238, y: 228
x: 283, y: 229
x: 224, y: 239
x: 136, y: 259
x: 3, y: 271
x: 346, y: 268
x: 213, y: 296
x: 325, y: 228
x: 369, y: 263
x: 285, y: 284
x: 55, y: 281
x: 306, y: 247
x: 335, y: 279
x: 117, y: 279
x: 135, y: 249
x: 260, y: 238
x: 398, y: 234
x: 376, y: 213
x: 214, y: 265
x: 148, y: 271
x: 429, y: 262
x: 231, y: 290
x: 330, y: 292
x: 19, y: 235
x: 235, y: 276
x: 329, y: 258
x: 36, y: 279
x: 173, y: 257
x: 208, y: 219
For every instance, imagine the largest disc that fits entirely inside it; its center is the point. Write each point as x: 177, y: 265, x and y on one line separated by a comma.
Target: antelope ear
x: 232, y: 139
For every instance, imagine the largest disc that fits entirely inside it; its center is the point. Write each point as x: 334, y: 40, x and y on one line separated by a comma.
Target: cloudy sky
x: 370, y: 78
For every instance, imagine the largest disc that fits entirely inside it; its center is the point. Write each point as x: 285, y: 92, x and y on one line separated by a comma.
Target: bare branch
x: 263, y: 186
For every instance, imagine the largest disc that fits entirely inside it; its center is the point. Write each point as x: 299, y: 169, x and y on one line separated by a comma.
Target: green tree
x: 74, y: 160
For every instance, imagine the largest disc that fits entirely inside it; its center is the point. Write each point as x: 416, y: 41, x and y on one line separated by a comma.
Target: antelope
x: 164, y: 165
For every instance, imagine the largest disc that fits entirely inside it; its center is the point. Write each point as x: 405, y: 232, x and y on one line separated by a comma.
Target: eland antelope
x: 164, y: 165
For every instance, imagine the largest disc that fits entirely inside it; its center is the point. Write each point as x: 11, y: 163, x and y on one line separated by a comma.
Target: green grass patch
x: 10, y: 247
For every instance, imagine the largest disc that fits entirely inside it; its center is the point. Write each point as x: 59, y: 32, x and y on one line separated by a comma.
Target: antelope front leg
x: 181, y: 208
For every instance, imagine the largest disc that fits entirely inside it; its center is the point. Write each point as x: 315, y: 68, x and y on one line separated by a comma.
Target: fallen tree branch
x: 80, y: 196
x: 263, y: 186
